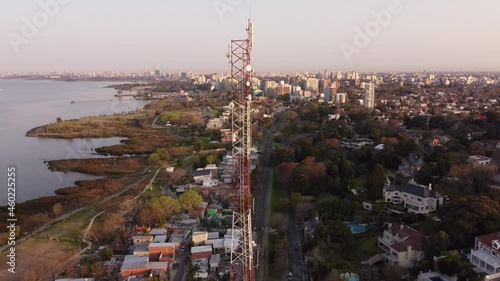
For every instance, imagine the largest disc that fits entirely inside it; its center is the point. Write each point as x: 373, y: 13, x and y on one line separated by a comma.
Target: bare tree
x: 57, y: 209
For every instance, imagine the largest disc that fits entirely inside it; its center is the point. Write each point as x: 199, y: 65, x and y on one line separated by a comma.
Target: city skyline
x: 396, y: 35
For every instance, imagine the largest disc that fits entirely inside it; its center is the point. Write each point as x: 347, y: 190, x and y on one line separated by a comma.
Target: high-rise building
x: 340, y: 98
x: 369, y: 101
x: 311, y: 84
x: 283, y: 89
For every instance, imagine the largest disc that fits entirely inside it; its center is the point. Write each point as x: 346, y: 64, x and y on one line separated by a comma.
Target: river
x: 25, y: 104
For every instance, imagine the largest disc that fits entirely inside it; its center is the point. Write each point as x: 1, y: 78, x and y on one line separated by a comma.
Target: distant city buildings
x: 369, y: 99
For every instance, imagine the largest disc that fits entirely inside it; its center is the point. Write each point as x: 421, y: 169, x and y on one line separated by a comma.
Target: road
x: 295, y: 255
x: 262, y: 196
x: 183, y: 268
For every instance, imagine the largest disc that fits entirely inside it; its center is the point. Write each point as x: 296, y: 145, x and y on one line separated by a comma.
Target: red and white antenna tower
x: 242, y: 265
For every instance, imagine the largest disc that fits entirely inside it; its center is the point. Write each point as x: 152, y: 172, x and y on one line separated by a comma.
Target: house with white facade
x: 418, y: 199
x: 486, y: 253
x: 402, y: 245
x: 479, y: 160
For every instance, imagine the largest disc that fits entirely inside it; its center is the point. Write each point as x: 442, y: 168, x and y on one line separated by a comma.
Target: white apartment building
x: 369, y: 100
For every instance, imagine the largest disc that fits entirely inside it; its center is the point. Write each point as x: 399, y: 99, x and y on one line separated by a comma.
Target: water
x: 28, y: 104
x: 356, y: 227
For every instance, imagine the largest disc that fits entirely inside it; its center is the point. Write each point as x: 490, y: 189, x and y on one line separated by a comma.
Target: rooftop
x: 420, y: 191
x: 201, y: 249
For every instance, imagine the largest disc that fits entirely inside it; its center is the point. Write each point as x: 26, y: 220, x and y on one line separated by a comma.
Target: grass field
x: 49, y: 248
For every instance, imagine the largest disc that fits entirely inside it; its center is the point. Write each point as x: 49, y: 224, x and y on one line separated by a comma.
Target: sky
x: 290, y: 36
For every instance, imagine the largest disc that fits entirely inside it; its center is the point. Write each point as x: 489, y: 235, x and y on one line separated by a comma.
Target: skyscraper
x: 369, y: 101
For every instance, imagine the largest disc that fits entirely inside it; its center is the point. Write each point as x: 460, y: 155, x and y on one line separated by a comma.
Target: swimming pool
x: 356, y: 227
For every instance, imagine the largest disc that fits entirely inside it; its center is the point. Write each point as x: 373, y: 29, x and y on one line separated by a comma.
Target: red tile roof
x: 489, y: 238
x: 411, y: 237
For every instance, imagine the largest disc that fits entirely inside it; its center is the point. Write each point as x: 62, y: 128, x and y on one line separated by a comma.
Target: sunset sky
x: 290, y: 36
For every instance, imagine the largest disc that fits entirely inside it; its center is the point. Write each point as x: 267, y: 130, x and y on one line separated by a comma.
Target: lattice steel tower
x: 242, y: 266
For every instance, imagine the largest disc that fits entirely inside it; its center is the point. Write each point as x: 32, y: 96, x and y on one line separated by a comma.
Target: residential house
x: 418, y: 199
x: 160, y: 239
x: 214, y: 262
x: 217, y: 245
x: 402, y: 245
x: 142, y: 240
x: 213, y: 235
x: 142, y: 266
x: 201, y: 252
x: 201, y: 175
x: 134, y: 265
x: 356, y: 142
x: 410, y: 165
x: 215, y: 123
x: 479, y: 160
x: 158, y: 231
x: 199, y: 237
x: 161, y: 250
x: 486, y: 253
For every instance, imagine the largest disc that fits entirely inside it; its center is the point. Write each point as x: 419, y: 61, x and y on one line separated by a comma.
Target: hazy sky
x: 192, y: 35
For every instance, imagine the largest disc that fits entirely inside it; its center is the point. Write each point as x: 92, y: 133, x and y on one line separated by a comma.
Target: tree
x: 335, y: 232
x: 482, y: 176
x: 345, y: 169
x: 376, y: 181
x: 393, y: 272
x: 436, y: 243
x: 112, y: 222
x: 159, y: 154
x: 153, y: 158
x: 57, y: 209
x: 211, y: 158
x: 106, y: 253
x: 169, y: 206
x: 58, y: 120
x: 295, y: 199
x: 454, y: 264
x: 426, y: 173
x: 190, y: 200
x: 460, y: 177
x: 283, y: 204
x: 473, y: 215
x: 163, y: 154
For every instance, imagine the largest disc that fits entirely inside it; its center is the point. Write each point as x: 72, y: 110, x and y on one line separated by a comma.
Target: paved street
x: 295, y: 255
x: 262, y: 195
x: 183, y: 268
